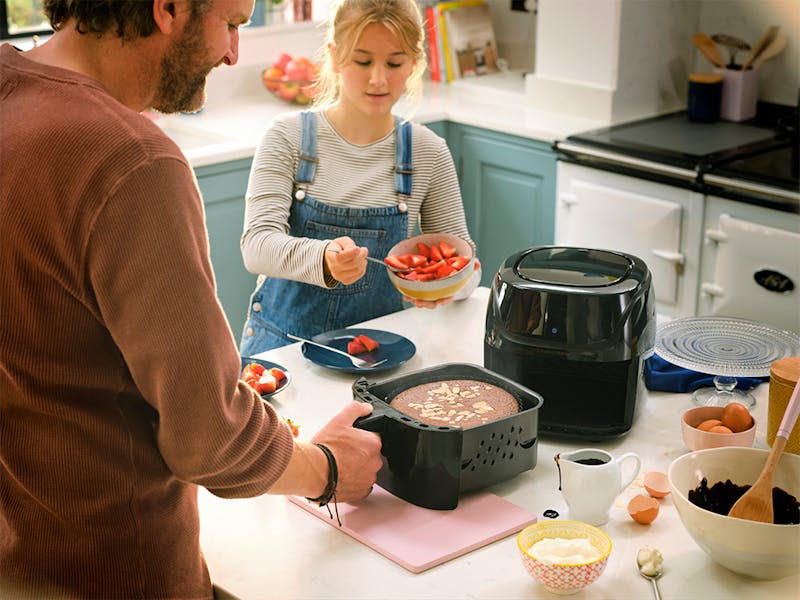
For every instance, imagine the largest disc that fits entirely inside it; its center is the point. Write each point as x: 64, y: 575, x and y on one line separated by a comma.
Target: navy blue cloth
x: 663, y: 376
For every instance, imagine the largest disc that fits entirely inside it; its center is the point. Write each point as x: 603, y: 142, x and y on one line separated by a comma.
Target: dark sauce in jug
x: 582, y: 461
x: 721, y: 496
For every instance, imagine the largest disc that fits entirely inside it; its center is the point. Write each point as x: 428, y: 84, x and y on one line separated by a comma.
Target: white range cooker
x: 712, y: 208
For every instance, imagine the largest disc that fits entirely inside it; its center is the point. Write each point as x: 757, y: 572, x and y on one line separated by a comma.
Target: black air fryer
x: 574, y: 324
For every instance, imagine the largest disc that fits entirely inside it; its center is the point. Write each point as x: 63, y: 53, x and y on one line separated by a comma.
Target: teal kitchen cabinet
x: 508, y: 184
x: 223, y: 186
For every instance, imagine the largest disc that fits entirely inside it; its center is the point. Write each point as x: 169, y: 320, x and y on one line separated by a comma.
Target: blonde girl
x: 348, y: 176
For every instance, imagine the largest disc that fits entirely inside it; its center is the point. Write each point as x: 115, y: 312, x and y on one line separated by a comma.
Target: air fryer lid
x: 574, y: 267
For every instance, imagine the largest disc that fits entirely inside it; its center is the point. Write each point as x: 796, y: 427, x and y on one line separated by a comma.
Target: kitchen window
x: 22, y: 18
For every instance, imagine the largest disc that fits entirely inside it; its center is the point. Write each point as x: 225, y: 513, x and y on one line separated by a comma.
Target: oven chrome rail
x: 700, y: 179
x: 740, y: 185
x: 622, y: 160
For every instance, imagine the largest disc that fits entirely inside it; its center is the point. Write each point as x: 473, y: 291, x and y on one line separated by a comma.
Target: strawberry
x: 355, y: 347
x: 395, y: 262
x: 447, y: 249
x: 424, y: 249
x: 444, y: 271
x: 431, y: 267
x: 459, y: 262
x: 436, y: 254
x: 277, y: 374
x: 368, y: 342
x: 267, y: 384
x: 252, y: 369
x: 295, y: 428
x: 426, y: 276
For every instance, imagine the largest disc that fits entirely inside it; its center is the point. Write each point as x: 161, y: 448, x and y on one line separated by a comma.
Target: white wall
x: 515, y: 33
x: 618, y: 60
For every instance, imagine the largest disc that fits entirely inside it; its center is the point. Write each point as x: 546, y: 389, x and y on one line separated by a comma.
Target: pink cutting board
x: 420, y: 538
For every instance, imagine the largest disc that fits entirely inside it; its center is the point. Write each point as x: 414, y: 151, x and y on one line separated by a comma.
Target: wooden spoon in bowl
x: 756, y: 503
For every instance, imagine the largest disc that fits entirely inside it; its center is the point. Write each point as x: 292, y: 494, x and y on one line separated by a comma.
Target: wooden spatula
x: 756, y: 503
x: 760, y: 46
x: 709, y: 49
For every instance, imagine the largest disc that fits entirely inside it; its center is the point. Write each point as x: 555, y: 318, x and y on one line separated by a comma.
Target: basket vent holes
x: 406, y: 419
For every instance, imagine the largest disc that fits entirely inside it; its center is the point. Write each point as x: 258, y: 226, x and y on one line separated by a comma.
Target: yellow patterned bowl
x: 563, y: 578
x: 433, y: 289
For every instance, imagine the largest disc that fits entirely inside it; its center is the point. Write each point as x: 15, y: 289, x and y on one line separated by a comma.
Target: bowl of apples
x: 291, y: 79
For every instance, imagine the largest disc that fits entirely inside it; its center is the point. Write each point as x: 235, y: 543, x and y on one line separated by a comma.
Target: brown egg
x: 708, y: 424
x: 643, y: 509
x: 736, y: 417
x: 656, y: 484
x: 720, y: 429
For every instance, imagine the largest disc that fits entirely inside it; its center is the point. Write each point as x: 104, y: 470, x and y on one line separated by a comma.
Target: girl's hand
x: 428, y: 303
x: 349, y: 264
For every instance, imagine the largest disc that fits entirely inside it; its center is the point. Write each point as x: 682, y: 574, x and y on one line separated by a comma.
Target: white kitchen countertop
x: 266, y: 547
x: 233, y: 121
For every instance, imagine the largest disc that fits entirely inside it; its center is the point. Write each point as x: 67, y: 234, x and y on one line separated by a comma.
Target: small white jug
x: 590, y: 479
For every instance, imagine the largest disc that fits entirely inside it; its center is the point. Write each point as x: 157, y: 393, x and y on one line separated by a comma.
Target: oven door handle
x: 673, y: 257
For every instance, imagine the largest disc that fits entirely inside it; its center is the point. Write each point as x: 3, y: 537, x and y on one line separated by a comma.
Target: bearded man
x: 116, y: 401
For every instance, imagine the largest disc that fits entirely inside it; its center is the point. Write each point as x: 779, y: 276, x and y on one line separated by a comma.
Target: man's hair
x: 129, y: 19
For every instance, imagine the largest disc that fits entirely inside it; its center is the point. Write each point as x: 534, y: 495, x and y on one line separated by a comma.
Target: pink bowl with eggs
x: 696, y: 439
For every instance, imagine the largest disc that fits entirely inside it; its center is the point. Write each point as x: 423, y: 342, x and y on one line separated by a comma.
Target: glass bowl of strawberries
x: 430, y: 266
x: 291, y: 79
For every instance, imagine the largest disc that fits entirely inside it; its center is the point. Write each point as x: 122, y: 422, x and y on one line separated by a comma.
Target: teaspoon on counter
x: 650, y: 565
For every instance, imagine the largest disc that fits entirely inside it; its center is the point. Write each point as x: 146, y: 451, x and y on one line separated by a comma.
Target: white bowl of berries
x: 431, y: 266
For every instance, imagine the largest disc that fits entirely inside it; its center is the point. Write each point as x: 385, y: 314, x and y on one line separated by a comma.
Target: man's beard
x: 181, y: 87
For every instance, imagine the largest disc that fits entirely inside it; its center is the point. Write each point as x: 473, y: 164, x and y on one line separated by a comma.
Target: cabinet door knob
x: 715, y: 235
x: 675, y: 257
x: 568, y: 199
x: 712, y: 289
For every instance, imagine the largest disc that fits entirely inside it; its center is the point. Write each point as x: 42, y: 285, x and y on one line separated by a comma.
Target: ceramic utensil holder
x: 704, y: 98
x: 783, y: 376
x: 739, y: 94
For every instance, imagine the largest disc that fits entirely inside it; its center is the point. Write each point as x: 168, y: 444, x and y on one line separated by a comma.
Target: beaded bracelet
x: 329, y: 494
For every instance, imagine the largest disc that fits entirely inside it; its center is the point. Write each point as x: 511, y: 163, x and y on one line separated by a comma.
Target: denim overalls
x: 281, y: 306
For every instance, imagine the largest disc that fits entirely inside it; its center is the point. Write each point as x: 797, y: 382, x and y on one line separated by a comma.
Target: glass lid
x: 577, y: 267
x: 724, y: 345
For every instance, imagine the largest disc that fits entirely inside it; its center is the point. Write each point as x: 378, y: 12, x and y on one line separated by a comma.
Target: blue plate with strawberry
x: 373, y: 345
x: 266, y: 377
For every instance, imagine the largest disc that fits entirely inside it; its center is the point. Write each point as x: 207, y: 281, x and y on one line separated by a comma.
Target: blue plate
x: 394, y: 348
x: 246, y: 360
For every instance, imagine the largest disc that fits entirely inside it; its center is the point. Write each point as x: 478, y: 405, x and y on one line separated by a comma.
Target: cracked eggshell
x: 656, y: 484
x: 643, y: 509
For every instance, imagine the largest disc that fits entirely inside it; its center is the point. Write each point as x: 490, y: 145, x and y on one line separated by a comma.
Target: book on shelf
x: 471, y: 43
x: 440, y: 65
x: 431, y: 33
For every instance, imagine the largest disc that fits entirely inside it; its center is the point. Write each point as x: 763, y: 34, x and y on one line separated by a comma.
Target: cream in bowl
x: 564, y: 556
